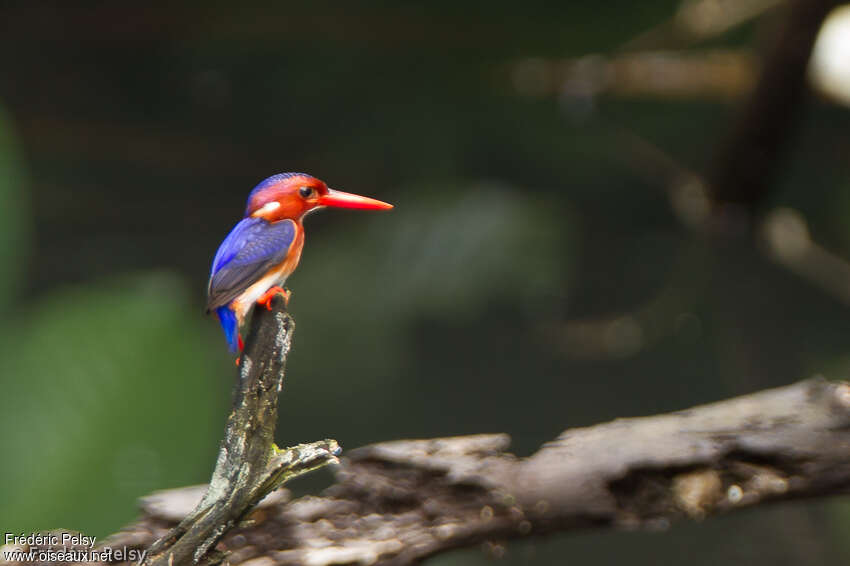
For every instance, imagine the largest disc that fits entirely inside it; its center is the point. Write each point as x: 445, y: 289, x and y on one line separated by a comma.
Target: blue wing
x: 252, y: 248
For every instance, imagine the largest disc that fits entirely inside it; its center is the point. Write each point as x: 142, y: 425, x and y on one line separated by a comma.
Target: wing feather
x: 252, y: 248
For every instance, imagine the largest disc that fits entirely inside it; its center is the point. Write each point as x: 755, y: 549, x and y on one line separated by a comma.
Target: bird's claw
x: 267, y: 297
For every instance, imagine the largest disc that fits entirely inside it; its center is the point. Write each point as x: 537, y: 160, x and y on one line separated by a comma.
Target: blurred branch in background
x: 700, y: 20
x: 716, y: 73
x: 722, y: 201
x: 747, y: 161
x: 653, y: 63
x: 785, y: 233
x: 400, y: 502
x: 656, y: 63
x: 782, y: 234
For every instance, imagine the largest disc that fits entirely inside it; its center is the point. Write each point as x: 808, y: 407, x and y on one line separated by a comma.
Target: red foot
x: 267, y: 297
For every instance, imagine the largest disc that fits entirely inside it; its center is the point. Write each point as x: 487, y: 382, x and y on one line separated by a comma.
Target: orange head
x: 292, y: 195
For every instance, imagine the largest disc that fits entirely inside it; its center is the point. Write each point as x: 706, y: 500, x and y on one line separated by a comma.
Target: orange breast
x: 294, y: 256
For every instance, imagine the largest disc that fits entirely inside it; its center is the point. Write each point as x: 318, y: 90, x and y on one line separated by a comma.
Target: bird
x: 263, y: 249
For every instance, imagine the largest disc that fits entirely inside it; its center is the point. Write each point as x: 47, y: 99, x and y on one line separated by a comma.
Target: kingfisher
x: 263, y: 249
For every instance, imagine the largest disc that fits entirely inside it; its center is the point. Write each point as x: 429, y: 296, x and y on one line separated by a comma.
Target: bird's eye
x: 306, y: 192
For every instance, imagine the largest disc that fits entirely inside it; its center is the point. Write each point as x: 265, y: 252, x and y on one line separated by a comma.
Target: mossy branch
x: 249, y: 466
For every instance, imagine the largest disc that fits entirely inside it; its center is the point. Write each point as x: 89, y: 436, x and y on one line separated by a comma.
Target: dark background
x: 532, y: 277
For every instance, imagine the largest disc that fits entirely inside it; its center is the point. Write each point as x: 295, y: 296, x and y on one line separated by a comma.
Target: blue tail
x: 230, y: 325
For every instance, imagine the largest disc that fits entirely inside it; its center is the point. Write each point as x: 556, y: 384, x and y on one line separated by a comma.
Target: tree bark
x: 250, y: 465
x: 399, y: 502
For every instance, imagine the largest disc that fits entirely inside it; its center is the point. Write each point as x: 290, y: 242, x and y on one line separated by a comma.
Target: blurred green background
x: 532, y: 277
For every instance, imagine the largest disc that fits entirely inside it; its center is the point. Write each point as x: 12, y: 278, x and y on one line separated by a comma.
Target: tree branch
x: 400, y: 502
x: 746, y: 163
x: 249, y: 464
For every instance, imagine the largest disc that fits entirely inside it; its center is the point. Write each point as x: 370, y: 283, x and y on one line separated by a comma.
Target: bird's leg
x: 267, y: 297
x: 241, y: 345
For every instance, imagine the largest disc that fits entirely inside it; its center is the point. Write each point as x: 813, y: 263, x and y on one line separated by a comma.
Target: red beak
x: 340, y: 199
